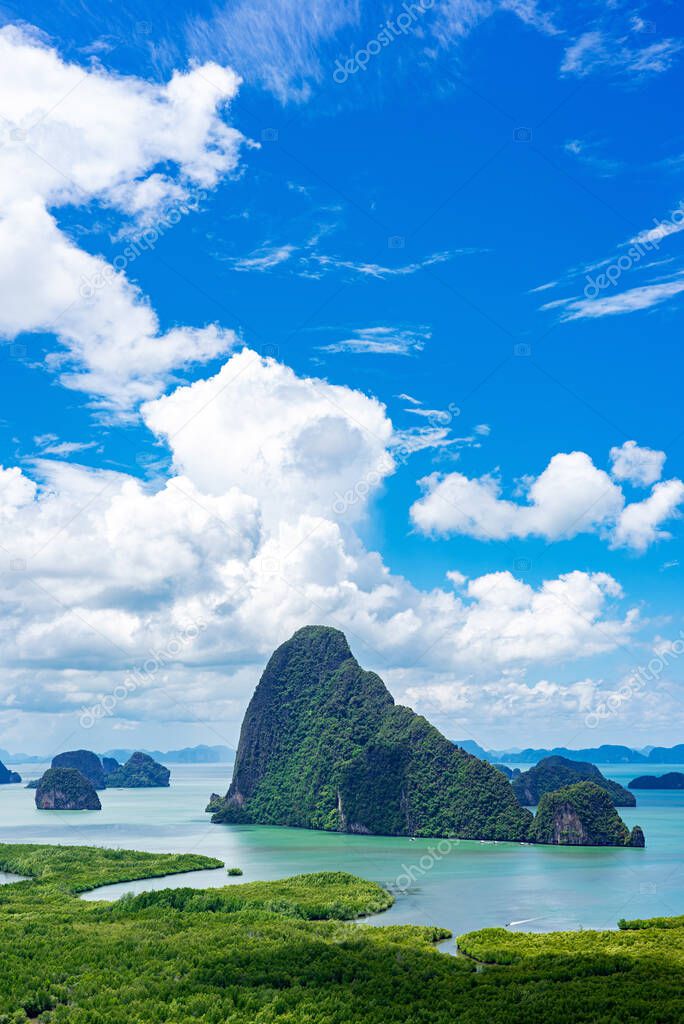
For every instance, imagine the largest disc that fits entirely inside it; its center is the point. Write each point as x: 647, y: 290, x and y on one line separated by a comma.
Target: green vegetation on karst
x: 324, y: 746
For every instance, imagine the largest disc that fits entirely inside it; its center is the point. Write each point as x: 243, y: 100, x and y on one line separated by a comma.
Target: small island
x: 8, y: 777
x: 140, y: 772
x: 582, y: 815
x: 671, y: 780
x: 84, y: 761
x: 66, y: 789
x: 557, y: 772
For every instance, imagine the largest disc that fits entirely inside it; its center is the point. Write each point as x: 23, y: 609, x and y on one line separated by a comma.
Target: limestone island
x: 139, y: 772
x: 671, y: 780
x: 557, y: 772
x: 7, y: 777
x: 324, y: 746
x: 582, y: 815
x: 84, y: 761
x: 66, y: 789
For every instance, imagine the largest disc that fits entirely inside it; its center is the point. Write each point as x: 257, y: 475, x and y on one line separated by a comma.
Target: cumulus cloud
x: 571, y: 496
x: 72, y: 137
x: 639, y: 465
x: 253, y: 533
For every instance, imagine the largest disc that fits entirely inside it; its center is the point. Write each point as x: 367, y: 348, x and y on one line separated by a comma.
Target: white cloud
x: 638, y: 525
x: 265, y: 258
x: 630, y: 301
x: 397, y: 341
x: 571, y: 496
x: 74, y: 136
x: 250, y: 535
x: 292, y: 442
x: 598, y: 50
x: 381, y: 271
x: 640, y: 466
x: 278, y: 45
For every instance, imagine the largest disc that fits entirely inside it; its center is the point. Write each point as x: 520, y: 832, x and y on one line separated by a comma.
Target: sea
x: 458, y: 885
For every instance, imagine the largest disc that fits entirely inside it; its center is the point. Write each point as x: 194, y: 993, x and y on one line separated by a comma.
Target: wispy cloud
x: 279, y: 45
x: 381, y: 271
x: 263, y: 259
x: 586, y: 153
x: 50, y: 444
x: 599, y: 50
x: 624, y: 302
x: 396, y: 341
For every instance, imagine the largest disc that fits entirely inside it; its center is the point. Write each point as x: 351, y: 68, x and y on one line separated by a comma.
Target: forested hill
x: 323, y: 745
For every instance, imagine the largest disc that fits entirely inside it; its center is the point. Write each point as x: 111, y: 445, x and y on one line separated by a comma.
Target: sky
x: 358, y: 314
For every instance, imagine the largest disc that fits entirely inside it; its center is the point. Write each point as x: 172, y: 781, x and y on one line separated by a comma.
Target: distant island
x: 139, y: 772
x: 324, y: 746
x: 7, y: 777
x: 671, y: 780
x: 607, y: 753
x: 557, y: 772
x: 200, y: 754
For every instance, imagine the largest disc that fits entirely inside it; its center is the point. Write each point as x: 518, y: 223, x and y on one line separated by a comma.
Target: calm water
x: 473, y: 885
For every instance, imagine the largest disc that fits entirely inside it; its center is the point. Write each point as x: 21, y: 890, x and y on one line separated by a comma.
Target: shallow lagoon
x: 471, y: 885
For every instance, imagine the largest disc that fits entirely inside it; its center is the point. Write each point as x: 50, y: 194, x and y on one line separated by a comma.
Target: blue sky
x: 453, y: 263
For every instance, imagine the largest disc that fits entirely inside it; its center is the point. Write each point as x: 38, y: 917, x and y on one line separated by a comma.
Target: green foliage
x: 64, y: 789
x: 85, y: 762
x: 557, y: 772
x: 579, y: 815
x: 324, y: 746
x: 234, y: 872
x: 314, y: 897
x: 140, y: 772
x: 279, y: 953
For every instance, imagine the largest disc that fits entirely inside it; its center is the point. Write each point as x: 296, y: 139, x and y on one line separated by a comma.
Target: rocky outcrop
x: 66, y: 789
x: 84, y: 761
x: 7, y: 777
x: 109, y: 765
x: 140, y: 772
x: 671, y: 780
x: 556, y: 772
x: 581, y: 815
x: 323, y: 745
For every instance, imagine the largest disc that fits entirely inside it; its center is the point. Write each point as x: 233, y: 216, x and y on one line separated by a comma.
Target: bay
x: 460, y: 886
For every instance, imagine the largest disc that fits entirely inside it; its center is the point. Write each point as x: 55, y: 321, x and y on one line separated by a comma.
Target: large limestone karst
x: 323, y: 745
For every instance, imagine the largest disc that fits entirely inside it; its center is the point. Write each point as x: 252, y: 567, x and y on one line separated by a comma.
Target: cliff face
x: 85, y: 762
x: 556, y: 772
x: 324, y: 746
x: 140, y: 772
x: 582, y: 815
x: 7, y: 776
x: 66, y: 789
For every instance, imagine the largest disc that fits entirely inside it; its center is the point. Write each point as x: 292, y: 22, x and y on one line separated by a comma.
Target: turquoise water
x: 471, y: 885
